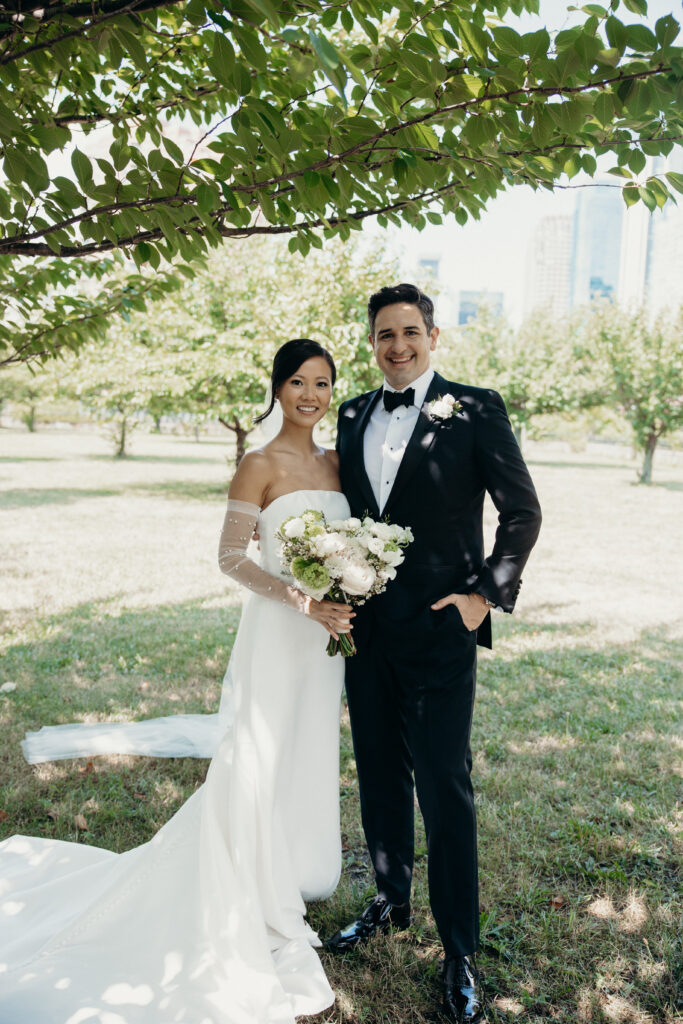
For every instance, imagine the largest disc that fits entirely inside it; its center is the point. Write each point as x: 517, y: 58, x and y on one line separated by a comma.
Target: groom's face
x: 402, y: 344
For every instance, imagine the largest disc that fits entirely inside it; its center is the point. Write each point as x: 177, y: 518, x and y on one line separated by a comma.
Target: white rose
x: 358, y: 579
x: 327, y: 544
x: 441, y: 408
x: 295, y: 528
x: 352, y: 523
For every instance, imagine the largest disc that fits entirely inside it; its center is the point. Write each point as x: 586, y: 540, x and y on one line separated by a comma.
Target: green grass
x: 115, y: 610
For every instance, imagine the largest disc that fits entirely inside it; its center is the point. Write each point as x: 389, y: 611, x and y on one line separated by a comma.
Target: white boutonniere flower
x: 443, y: 407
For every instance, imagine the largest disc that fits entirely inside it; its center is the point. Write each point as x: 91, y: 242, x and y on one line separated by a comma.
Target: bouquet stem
x: 344, y: 646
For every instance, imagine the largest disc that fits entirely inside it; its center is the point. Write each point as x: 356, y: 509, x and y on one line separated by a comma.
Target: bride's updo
x: 288, y: 358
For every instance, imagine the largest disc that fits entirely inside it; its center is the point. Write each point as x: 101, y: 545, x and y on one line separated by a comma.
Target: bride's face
x: 306, y: 396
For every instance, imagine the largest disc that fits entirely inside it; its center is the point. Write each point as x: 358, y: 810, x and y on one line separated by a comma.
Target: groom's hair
x: 401, y: 293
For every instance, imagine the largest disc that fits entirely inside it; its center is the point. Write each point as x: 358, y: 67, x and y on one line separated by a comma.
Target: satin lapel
x: 358, y: 454
x: 421, y: 440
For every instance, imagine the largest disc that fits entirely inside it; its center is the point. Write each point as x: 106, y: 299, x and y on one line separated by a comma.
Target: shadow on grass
x: 569, y: 464
x: 575, y: 787
x: 132, y: 664
x: 30, y: 458
x: 668, y: 485
x: 176, y: 459
x: 178, y: 490
x: 195, y: 490
x: 32, y: 497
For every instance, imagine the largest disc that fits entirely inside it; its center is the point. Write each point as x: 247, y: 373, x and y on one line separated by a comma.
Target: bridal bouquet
x: 346, y: 560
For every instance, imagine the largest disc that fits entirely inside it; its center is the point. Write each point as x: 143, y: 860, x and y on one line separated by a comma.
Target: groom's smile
x: 402, y: 343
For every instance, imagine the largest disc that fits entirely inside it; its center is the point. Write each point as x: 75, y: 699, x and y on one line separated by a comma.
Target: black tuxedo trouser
x: 410, y: 705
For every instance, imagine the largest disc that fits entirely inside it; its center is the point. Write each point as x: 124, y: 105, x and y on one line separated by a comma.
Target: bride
x: 205, y: 924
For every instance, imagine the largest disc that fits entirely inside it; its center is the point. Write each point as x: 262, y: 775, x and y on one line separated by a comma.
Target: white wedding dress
x: 205, y: 923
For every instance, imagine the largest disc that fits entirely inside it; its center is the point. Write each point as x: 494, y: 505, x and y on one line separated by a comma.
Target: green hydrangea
x: 311, y: 573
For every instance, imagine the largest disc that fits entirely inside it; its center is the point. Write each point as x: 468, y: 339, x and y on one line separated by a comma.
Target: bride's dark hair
x: 288, y: 358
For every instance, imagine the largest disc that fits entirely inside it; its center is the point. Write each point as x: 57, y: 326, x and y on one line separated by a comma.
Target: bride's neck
x: 297, y: 439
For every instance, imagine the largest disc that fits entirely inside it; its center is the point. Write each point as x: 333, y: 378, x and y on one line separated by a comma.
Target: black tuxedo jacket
x: 439, y: 491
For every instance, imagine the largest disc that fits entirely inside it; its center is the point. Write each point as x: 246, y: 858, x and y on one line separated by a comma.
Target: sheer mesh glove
x: 240, y: 520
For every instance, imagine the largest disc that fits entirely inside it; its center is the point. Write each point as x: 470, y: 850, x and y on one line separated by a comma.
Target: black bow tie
x: 392, y: 399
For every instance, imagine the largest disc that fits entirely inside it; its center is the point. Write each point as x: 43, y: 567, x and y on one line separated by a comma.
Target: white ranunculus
x: 376, y: 546
x: 358, y: 578
x: 295, y: 528
x: 353, y: 523
x: 328, y: 544
x: 392, y: 557
x: 384, y: 531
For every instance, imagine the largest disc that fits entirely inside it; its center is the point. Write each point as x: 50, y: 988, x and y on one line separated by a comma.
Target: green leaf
x: 647, y: 198
x: 604, y: 108
x: 675, y: 180
x: 222, y: 61
x: 329, y: 57
x: 636, y: 6
x: 82, y: 167
x: 641, y: 39
x: 251, y: 47
x: 206, y: 198
x: 173, y: 150
x: 666, y: 30
x: 637, y: 161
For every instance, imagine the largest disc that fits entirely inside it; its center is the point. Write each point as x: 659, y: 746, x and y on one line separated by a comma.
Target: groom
x: 423, y: 451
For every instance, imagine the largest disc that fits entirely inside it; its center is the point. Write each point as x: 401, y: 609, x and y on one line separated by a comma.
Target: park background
x: 114, y: 466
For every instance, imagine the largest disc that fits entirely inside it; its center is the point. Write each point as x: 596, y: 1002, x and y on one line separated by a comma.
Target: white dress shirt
x: 387, y: 435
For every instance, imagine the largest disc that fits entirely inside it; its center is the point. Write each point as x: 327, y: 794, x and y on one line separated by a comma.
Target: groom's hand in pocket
x: 472, y: 607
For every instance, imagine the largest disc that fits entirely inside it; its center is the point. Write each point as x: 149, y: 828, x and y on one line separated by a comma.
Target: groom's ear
x: 372, y: 342
x: 433, y: 338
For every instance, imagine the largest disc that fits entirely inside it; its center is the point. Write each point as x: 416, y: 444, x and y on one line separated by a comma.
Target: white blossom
x: 295, y: 528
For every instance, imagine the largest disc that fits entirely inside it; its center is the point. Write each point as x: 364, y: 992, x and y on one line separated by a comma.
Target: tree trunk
x: 646, y: 469
x: 157, y: 424
x: 121, y: 439
x: 195, y: 430
x: 29, y: 419
x: 241, y: 437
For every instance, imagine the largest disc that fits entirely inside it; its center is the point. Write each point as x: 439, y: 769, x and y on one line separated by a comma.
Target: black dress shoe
x: 379, y: 916
x: 463, y: 998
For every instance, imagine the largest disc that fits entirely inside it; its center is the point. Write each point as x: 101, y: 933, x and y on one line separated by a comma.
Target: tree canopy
x: 308, y: 118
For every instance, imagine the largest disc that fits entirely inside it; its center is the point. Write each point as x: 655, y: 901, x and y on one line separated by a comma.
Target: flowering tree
x: 642, y: 361
x: 296, y: 118
x: 207, y: 348
x: 536, y: 367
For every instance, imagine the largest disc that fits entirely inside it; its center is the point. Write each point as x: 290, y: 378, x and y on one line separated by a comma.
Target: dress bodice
x: 332, y: 504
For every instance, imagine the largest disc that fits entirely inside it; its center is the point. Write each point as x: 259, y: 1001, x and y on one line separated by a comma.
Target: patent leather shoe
x: 463, y: 998
x: 379, y: 917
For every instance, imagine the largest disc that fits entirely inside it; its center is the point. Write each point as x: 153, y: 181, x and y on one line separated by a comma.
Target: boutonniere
x: 443, y: 407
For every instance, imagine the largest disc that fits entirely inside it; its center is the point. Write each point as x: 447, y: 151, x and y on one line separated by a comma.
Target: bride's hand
x: 336, y: 618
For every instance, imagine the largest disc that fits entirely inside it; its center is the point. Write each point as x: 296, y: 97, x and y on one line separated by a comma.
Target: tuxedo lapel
x: 421, y: 440
x: 357, y: 453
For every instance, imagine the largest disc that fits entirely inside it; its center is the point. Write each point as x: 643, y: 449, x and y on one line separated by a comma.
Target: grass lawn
x: 112, y: 607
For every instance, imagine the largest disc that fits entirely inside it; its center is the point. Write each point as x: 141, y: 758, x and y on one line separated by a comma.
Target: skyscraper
x: 597, y: 245
x: 548, y: 281
x: 471, y: 302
